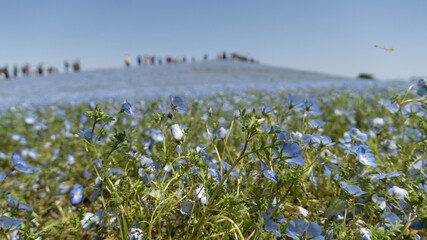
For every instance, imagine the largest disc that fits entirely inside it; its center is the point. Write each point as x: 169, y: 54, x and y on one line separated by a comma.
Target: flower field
x: 312, y: 163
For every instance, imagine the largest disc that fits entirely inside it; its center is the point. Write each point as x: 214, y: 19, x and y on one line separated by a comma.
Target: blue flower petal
x: 270, y: 175
x: 7, y: 223
x: 296, y: 160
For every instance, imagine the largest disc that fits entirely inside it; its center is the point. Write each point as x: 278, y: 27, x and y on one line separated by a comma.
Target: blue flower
x: 7, y: 223
x: 332, y: 170
x: 293, y: 151
x: 365, y: 158
x: 422, y: 87
x: 321, y: 141
x: 227, y: 166
x: 89, y: 221
x: 127, y: 108
x: 376, y: 177
x: 201, y: 194
x: 268, y: 173
x: 19, y: 164
x: 390, y: 217
x: 293, y: 101
x: 352, y: 189
x: 12, y: 202
x: 178, y: 103
x: 316, y: 123
x: 397, y: 192
x: 282, y: 136
x: 298, y: 227
x: 365, y: 234
x: 418, y: 225
x: 266, y: 109
x: 270, y: 225
x: 76, y: 194
x: 380, y: 200
x: 310, y: 107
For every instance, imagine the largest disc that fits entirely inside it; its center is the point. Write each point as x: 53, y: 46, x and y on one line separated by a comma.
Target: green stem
x: 283, y: 199
x: 7, y: 175
x: 195, y: 234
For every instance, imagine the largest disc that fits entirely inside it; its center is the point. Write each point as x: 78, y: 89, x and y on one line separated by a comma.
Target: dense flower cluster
x: 306, y: 165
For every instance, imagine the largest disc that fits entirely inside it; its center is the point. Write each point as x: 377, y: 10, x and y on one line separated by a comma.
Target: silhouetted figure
x: 50, y: 70
x: 184, y: 59
x: 5, y: 72
x: 153, y: 59
x: 40, y: 69
x: 76, y: 66
x: 205, y: 57
x: 139, y: 60
x: 127, y: 61
x: 66, y: 66
x: 15, y: 71
x: 160, y: 61
x: 224, y: 55
x: 26, y: 70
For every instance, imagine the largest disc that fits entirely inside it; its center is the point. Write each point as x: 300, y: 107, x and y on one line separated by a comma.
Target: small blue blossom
x: 19, y: 164
x: 380, y: 200
x: 89, y: 221
x: 316, y: 123
x: 352, y: 189
x: 227, y: 166
x: 201, y: 194
x: 127, y: 108
x: 266, y: 109
x: 397, y: 192
x: 321, y: 141
x: 178, y: 102
x: 422, y: 87
x: 76, y: 194
x: 268, y: 173
x: 293, y: 101
x: 298, y: 227
x: 365, y: 158
x: 293, y: 151
x: 13, y: 202
x: 376, y: 177
x: 270, y: 225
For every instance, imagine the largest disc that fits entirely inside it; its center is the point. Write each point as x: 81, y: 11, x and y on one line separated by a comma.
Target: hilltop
x: 143, y: 82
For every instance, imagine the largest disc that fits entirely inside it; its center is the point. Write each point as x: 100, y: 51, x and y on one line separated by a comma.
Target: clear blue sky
x: 328, y: 36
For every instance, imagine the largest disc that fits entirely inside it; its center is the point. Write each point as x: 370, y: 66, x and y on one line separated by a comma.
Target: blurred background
x: 335, y: 36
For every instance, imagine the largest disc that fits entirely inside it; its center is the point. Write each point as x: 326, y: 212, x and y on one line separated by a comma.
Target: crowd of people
x: 40, y: 70
x: 151, y: 59
x: 46, y: 69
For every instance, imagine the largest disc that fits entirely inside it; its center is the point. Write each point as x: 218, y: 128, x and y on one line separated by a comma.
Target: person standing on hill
x: 66, y: 65
x: 127, y: 61
x: 15, y: 71
x: 139, y: 60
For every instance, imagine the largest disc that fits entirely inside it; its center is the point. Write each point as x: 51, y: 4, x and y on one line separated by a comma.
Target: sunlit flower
x: 298, y: 227
x: 19, y: 164
x: 127, y: 108
x: 176, y: 132
x: 76, y: 194
x: 352, y: 189
x: 268, y: 173
x: 179, y: 104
